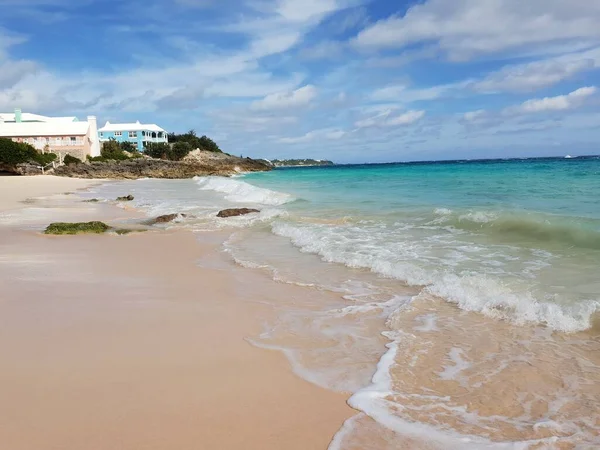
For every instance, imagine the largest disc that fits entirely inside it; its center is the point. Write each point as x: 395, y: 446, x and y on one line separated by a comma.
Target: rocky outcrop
x: 23, y: 169
x: 77, y: 228
x: 165, y: 219
x: 158, y: 168
x: 236, y: 212
x: 127, y: 198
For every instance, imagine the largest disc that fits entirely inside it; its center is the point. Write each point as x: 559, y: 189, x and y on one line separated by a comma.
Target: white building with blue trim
x: 137, y: 133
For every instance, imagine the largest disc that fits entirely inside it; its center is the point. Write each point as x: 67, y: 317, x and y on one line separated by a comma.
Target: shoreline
x: 135, y: 364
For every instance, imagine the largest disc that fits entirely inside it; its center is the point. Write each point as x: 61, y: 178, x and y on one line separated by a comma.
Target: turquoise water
x: 515, y: 238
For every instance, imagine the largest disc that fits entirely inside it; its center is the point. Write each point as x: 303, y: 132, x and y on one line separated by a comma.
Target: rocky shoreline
x: 197, y: 163
x: 158, y: 168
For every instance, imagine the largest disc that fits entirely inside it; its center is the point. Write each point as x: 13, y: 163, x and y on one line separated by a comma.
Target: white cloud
x: 285, y: 100
x: 326, y: 133
x: 404, y: 94
x: 405, y: 119
x: 573, y: 100
x: 282, y: 24
x: 464, y: 28
x: 387, y: 119
x: 539, y: 74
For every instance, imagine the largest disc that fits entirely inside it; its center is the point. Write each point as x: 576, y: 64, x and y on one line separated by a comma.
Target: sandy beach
x: 139, y: 342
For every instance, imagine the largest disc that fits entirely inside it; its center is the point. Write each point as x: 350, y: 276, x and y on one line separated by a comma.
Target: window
x: 133, y: 134
x: 118, y: 133
x: 73, y: 139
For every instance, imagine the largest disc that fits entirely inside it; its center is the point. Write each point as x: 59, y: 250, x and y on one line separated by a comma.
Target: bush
x: 203, y: 143
x: 207, y: 143
x: 14, y: 153
x: 157, y: 150
x: 179, y: 151
x: 127, y: 147
x: 175, y: 152
x: 96, y: 158
x: 68, y: 159
x: 111, y: 150
x: 45, y: 158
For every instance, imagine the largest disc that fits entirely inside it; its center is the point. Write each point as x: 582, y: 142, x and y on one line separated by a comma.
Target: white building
x: 60, y: 135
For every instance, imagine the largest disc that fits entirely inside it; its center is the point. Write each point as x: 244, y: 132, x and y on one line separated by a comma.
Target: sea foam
x: 476, y: 292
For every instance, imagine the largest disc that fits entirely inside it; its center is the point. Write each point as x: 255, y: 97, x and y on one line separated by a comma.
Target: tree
x: 207, y: 143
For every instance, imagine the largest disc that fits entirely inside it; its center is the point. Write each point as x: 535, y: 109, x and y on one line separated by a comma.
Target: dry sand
x: 123, y: 342
x: 14, y: 190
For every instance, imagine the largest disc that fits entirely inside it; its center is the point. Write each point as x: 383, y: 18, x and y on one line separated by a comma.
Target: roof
x: 28, y: 117
x: 137, y: 126
x: 54, y: 128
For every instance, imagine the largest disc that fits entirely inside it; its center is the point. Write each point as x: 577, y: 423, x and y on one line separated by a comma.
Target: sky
x: 346, y: 80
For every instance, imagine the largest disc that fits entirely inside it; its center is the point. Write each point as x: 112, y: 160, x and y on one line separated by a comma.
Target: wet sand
x: 124, y: 342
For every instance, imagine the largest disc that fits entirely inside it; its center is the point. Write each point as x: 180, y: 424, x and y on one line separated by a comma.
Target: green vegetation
x: 91, y: 200
x: 158, y: 150
x: 14, y: 153
x: 179, y: 150
x: 203, y: 142
x: 115, y: 151
x: 180, y: 145
x: 174, y: 152
x: 77, y: 228
x: 111, y: 150
x: 127, y: 198
x: 68, y: 159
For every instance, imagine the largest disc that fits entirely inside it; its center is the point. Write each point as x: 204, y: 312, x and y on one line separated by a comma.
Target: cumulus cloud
x: 464, y: 28
x: 284, y: 100
x: 569, y: 101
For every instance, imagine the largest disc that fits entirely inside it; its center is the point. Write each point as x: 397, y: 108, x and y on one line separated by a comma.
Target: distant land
x: 298, y: 162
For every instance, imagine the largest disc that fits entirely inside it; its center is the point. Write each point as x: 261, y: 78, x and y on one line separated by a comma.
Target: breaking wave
x: 238, y: 191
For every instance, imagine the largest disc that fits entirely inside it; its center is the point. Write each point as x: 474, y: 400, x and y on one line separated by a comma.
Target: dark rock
x: 127, y: 198
x: 165, y: 219
x: 236, y: 212
x: 23, y: 169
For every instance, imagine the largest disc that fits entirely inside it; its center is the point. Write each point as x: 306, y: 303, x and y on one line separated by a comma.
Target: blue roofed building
x: 137, y: 133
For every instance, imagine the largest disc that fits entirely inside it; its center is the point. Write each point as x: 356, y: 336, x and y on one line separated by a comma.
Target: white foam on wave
x: 238, y: 191
x: 476, y: 292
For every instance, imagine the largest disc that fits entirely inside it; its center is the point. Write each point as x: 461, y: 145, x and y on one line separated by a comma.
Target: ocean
x: 455, y: 302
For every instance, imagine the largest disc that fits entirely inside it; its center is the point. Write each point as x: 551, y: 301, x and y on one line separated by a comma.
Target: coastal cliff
x: 197, y: 163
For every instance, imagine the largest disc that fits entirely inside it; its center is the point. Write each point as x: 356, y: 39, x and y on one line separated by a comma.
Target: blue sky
x: 348, y: 80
